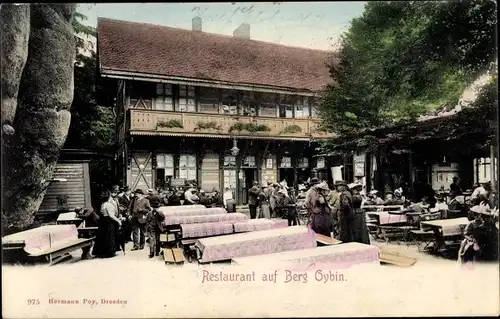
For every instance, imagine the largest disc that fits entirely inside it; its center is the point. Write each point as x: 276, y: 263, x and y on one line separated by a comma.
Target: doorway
x: 249, y: 175
x: 288, y: 175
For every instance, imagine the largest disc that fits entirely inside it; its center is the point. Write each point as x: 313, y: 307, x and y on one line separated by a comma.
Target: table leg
x: 439, y: 240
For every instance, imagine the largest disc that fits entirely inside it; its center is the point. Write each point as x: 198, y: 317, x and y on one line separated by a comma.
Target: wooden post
x: 410, y: 167
x: 493, y: 178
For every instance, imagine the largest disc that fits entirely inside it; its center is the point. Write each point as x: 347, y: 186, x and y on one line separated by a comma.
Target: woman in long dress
x: 106, y: 244
x: 358, y: 228
x: 321, y: 218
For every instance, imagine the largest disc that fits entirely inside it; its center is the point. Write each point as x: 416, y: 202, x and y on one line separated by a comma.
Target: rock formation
x: 40, y: 63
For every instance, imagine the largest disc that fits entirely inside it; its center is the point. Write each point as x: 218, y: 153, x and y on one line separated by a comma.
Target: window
x: 165, y: 162
x: 209, y: 100
x: 164, y: 98
x: 268, y: 105
x: 302, y: 107
x: 187, y: 101
x: 187, y: 167
x: 229, y: 161
x: 248, y: 104
x: 286, y: 105
x: 230, y: 178
x: 286, y: 162
x: 249, y: 161
x: 229, y: 102
x: 303, y: 162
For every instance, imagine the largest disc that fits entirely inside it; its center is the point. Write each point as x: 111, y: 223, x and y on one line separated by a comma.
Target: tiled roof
x: 159, y: 50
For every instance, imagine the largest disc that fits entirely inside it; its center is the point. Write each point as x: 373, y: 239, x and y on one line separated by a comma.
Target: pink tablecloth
x: 194, y: 212
x: 42, y: 238
x: 166, y: 209
x: 339, y: 256
x: 255, y: 243
x: 198, y: 219
x: 280, y: 223
x: 253, y: 225
x: 206, y: 229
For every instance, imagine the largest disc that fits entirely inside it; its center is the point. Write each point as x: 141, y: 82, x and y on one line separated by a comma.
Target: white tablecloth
x: 206, y: 229
x: 42, y: 238
x: 386, y: 219
x: 449, y: 227
x: 255, y: 243
x: 194, y: 212
x: 343, y: 255
x: 197, y: 219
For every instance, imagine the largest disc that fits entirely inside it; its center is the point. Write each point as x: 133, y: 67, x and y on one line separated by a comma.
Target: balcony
x: 163, y: 123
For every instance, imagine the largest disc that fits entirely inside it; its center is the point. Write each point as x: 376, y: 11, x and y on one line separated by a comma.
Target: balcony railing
x: 154, y: 122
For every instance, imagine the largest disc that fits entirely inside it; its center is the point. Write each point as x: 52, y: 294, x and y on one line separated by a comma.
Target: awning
x: 253, y: 137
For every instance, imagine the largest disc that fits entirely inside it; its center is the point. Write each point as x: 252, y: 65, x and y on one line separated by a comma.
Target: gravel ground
x: 146, y: 288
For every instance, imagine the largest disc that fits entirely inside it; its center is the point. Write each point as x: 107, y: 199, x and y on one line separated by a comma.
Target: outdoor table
x: 339, y: 256
x: 445, y: 227
x: 269, y: 241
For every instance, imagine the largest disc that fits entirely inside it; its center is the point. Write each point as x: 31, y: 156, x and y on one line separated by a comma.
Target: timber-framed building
x: 185, y: 98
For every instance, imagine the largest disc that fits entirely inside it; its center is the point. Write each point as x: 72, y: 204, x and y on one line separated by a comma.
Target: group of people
x: 123, y: 215
x: 337, y: 213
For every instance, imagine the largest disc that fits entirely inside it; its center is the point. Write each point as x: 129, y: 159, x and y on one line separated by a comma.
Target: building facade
x: 224, y: 111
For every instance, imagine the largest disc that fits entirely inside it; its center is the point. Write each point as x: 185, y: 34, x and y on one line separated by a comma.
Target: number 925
x: 33, y: 302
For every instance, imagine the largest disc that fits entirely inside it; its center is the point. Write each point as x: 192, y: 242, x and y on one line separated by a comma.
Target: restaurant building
x: 222, y: 110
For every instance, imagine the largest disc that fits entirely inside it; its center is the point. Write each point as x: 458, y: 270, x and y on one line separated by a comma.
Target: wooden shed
x: 74, y: 167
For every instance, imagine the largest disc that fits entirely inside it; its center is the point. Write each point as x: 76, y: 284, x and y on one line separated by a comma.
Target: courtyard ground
x: 433, y: 286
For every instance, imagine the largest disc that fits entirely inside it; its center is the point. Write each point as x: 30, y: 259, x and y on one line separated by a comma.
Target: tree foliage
x: 92, y: 126
x: 402, y: 59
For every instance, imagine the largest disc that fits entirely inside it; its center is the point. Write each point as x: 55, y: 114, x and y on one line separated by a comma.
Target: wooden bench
x: 397, y: 259
x: 173, y: 256
x: 326, y: 241
x: 61, y: 252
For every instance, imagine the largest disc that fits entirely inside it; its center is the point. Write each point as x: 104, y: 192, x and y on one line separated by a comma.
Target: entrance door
x: 249, y: 175
x: 288, y: 175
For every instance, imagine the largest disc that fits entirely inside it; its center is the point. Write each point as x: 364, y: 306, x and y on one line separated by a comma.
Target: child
x: 154, y: 226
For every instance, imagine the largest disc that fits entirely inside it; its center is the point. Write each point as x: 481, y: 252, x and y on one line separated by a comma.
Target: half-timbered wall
x: 140, y: 174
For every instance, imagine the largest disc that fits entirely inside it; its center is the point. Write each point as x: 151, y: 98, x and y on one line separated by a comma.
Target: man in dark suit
x: 139, y: 208
x: 124, y: 202
x: 253, y: 200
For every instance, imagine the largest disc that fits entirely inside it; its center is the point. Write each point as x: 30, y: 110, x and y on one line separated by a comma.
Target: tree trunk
x: 42, y: 118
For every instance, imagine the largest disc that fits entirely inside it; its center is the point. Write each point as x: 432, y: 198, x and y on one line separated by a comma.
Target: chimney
x: 196, y: 24
x: 242, y: 32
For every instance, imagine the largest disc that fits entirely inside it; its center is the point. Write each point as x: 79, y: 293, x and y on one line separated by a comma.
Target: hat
x: 115, y: 189
x: 314, y: 181
x: 341, y: 183
x: 374, y: 192
x: 125, y: 188
x: 139, y: 191
x: 322, y: 185
x: 150, y: 191
x: 355, y: 185
x: 255, y: 183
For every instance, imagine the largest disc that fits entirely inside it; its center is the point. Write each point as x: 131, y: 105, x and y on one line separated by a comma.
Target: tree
x: 401, y: 59
x: 93, y: 125
x: 38, y: 40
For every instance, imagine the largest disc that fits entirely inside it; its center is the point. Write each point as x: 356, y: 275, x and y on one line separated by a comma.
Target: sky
x: 315, y: 25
